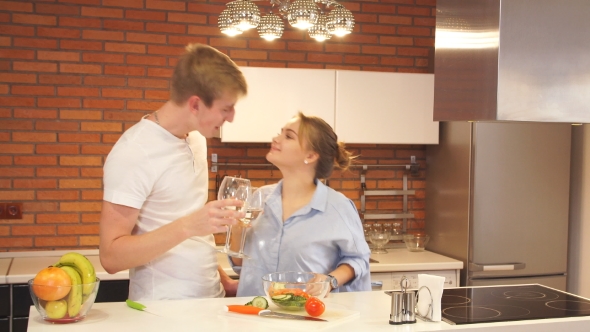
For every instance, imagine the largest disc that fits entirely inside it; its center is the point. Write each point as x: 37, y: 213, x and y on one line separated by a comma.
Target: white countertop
x: 4, y: 266
x: 209, y: 315
x: 19, y: 267
x: 404, y: 260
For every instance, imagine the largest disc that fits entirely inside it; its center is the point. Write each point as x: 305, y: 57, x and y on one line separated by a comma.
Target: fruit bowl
x: 290, y: 290
x: 69, y: 308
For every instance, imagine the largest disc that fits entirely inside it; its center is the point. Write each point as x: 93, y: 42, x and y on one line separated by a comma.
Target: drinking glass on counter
x: 394, y: 228
x: 367, y: 230
x: 379, y: 236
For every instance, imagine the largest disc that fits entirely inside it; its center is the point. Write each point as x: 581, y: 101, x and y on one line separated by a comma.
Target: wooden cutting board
x: 334, y: 316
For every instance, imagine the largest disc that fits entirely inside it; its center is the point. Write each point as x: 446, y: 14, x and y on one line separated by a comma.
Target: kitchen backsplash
x: 347, y: 182
x: 75, y: 74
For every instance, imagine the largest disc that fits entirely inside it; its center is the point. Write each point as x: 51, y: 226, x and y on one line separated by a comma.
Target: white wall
x: 579, y: 231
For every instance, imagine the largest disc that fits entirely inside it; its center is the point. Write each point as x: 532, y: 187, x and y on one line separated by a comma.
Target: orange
x: 51, y: 284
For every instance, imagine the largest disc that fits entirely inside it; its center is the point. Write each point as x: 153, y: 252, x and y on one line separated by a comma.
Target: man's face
x: 210, y: 119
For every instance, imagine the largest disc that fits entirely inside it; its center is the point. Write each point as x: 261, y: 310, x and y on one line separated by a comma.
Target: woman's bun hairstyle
x: 318, y: 136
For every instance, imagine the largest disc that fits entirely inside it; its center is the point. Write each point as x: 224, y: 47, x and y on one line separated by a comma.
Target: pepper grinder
x: 409, y: 302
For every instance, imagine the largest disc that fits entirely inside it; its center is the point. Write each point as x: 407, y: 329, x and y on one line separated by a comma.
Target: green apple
x: 56, y: 309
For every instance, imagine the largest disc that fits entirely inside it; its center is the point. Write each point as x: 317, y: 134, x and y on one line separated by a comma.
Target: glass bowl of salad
x: 290, y: 290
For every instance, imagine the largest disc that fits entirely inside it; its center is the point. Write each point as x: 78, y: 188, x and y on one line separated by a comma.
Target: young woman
x: 306, y: 226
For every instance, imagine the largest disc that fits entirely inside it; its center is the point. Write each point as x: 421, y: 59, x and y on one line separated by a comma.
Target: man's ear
x: 194, y: 103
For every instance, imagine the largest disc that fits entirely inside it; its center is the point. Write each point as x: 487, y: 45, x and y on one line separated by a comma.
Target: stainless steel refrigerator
x: 497, y: 198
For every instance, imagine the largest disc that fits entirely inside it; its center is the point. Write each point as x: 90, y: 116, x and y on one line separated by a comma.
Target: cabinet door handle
x: 496, y: 267
x: 376, y: 284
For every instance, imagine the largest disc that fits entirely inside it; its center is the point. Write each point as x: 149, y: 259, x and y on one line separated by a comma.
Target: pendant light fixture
x: 241, y: 15
x: 303, y: 14
x: 226, y: 23
x: 340, y: 21
x: 271, y: 27
x: 245, y: 14
x: 319, y: 31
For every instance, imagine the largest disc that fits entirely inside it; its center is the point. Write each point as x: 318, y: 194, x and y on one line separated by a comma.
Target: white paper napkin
x: 435, y: 284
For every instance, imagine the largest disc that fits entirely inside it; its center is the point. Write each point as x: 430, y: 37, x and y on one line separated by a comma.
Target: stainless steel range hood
x: 512, y: 60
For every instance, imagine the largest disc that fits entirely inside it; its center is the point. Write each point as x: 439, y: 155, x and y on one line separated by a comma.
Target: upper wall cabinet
x: 362, y: 106
x: 378, y: 107
x: 275, y: 95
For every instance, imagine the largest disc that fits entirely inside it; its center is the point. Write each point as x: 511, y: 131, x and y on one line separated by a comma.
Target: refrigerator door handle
x: 496, y: 267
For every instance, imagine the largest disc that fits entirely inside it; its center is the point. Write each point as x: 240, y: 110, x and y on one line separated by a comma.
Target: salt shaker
x: 396, y: 316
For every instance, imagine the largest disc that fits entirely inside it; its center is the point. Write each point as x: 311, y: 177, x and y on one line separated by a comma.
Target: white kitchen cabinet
x: 362, y: 106
x: 385, y: 108
x: 275, y: 95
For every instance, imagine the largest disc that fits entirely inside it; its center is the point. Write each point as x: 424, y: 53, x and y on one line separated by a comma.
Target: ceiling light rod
x: 241, y: 15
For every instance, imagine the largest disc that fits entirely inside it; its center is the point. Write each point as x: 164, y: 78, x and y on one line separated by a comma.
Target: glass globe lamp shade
x: 245, y: 14
x: 225, y: 23
x: 303, y: 14
x: 271, y: 27
x: 340, y: 21
x: 319, y: 31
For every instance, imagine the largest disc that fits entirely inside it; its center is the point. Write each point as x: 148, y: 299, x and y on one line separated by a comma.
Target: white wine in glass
x: 253, y: 208
x: 235, y: 188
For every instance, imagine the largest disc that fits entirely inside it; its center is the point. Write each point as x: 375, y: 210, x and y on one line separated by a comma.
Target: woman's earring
x: 306, y: 162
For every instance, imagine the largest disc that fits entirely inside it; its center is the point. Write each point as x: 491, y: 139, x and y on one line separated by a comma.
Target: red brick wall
x: 74, y: 74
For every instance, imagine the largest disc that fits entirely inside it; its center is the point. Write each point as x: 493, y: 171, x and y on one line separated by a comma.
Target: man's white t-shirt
x: 165, y: 178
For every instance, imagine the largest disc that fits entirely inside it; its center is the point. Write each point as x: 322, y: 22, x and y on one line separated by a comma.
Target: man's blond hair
x: 207, y: 73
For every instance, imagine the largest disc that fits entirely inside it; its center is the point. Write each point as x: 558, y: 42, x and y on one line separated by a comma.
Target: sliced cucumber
x: 260, y: 302
x: 298, y: 298
x: 277, y: 285
x: 281, y: 298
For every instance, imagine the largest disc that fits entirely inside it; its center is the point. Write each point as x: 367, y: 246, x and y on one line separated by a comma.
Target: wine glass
x: 235, y: 188
x: 379, y: 237
x: 253, y: 208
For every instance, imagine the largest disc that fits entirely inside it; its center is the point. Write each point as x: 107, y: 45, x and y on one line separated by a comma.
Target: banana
x: 83, y: 266
x: 75, y: 294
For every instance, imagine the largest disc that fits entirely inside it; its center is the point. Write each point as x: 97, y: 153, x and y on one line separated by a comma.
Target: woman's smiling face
x: 286, y: 148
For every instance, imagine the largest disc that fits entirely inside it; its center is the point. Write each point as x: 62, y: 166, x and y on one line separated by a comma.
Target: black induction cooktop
x: 469, y: 305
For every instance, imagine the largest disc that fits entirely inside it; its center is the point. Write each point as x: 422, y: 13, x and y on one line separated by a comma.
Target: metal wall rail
x: 413, y: 167
x: 404, y: 215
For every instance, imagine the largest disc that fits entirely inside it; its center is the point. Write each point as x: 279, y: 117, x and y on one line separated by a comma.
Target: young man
x: 154, y: 219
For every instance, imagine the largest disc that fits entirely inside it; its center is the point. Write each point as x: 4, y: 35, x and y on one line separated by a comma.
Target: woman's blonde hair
x: 318, y: 136
x: 205, y: 72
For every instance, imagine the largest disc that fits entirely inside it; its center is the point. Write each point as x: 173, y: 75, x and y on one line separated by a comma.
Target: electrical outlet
x: 14, y: 210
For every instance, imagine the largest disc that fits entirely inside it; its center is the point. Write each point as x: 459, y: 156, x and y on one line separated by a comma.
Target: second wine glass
x: 253, y: 208
x: 234, y: 188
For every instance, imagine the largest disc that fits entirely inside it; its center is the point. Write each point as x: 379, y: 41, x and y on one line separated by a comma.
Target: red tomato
x: 314, y: 307
x: 52, y: 283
